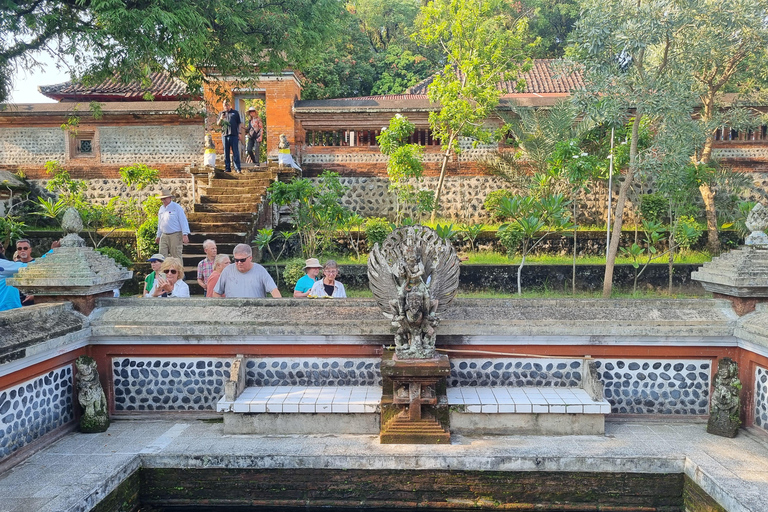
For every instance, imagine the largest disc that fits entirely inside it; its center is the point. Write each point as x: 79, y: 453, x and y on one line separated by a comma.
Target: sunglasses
x: 172, y: 271
x: 23, y: 248
x: 241, y: 260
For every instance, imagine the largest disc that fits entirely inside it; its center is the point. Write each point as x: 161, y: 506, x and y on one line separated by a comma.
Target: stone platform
x: 81, y: 469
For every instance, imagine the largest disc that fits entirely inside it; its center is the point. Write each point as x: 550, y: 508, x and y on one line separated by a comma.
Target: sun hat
x: 165, y: 193
x: 251, y: 109
x: 156, y: 257
x: 312, y: 263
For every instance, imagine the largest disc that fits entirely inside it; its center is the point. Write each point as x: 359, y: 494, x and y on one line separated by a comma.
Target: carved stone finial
x: 414, y: 275
x: 724, y: 409
x: 91, y: 397
x: 757, y: 223
x: 72, y: 224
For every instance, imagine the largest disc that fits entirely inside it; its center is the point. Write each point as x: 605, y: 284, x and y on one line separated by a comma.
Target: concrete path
x: 76, y: 472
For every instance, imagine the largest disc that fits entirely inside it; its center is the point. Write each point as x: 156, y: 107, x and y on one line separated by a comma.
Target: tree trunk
x: 713, y: 242
x: 610, y: 259
x: 573, y: 277
x: 520, y: 274
x: 439, y: 190
x: 671, y: 259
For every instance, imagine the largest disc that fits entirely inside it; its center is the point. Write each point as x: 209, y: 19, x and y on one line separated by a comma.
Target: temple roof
x: 162, y: 86
x: 542, y: 78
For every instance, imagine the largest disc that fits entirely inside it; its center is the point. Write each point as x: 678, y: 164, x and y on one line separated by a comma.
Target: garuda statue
x: 414, y: 276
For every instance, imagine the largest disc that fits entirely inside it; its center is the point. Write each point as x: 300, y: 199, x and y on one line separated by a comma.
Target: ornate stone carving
x: 91, y: 397
x: 72, y: 224
x: 414, y: 275
x: 724, y: 409
x: 757, y: 223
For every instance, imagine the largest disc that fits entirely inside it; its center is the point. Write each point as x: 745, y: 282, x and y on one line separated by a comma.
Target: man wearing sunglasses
x: 245, y: 279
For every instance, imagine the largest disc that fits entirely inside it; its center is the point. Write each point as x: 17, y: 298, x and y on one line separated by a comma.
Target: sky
x: 26, y: 82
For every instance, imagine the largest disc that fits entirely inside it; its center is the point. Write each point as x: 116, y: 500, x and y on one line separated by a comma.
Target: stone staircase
x: 229, y: 208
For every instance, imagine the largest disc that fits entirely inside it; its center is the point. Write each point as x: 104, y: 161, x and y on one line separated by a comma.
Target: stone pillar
x: 72, y: 272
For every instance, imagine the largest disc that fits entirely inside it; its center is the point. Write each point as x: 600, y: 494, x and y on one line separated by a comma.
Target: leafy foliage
x: 293, y: 271
x: 492, y: 201
x: 146, y: 244
x: 11, y: 229
x: 139, y: 175
x: 510, y: 237
x: 470, y: 232
x: 376, y: 230
x: 117, y: 255
x: 129, y: 40
x: 686, y: 232
x: 316, y: 210
x: 654, y: 207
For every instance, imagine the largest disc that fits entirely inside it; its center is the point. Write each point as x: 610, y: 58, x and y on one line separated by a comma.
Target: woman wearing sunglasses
x: 170, y: 281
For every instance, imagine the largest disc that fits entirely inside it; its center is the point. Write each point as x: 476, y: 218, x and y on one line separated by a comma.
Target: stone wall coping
x: 335, y: 319
x: 36, y: 326
x: 122, y: 108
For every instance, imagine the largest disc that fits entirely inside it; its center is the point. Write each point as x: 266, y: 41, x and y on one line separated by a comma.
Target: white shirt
x: 318, y: 290
x: 171, y: 219
x: 180, y: 289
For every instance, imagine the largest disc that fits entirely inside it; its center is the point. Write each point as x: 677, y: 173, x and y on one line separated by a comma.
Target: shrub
x: 654, y: 207
x: 293, y: 271
x: 687, y: 232
x: 117, y: 255
x: 376, y: 230
x: 492, y: 201
x: 145, y: 238
x: 510, y: 237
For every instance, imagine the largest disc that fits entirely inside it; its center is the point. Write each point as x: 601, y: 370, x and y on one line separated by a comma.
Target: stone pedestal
x: 414, y: 407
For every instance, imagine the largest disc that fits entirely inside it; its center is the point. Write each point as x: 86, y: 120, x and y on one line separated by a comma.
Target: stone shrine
x: 71, y: 272
x: 414, y: 276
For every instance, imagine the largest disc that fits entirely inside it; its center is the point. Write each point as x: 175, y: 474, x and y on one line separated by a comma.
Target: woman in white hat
x: 255, y: 132
x: 312, y: 268
x: 156, y: 260
x: 328, y: 286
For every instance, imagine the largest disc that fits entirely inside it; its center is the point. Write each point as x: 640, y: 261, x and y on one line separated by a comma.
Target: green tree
x: 724, y: 45
x: 551, y: 21
x: 403, y: 166
x: 129, y: 39
x: 482, y: 42
x: 629, y: 54
x: 533, y: 219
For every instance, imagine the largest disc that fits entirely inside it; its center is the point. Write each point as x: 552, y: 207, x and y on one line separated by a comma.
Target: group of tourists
x: 244, y: 279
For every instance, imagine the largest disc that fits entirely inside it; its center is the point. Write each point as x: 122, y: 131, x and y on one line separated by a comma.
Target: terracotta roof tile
x: 542, y: 78
x: 162, y: 86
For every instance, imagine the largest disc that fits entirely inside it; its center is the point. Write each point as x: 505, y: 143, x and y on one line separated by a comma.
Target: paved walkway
x: 77, y: 471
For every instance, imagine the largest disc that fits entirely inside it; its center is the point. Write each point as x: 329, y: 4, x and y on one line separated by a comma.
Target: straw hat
x: 165, y: 192
x: 312, y: 263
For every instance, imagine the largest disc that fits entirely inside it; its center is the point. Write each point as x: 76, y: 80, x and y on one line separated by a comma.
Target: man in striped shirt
x: 205, y: 267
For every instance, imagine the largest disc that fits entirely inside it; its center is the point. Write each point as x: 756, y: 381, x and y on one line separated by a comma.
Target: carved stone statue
x: 209, y: 158
x: 757, y: 223
x: 724, y: 409
x: 414, y: 275
x: 91, y: 397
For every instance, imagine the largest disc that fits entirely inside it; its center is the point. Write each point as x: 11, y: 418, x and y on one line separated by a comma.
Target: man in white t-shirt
x: 245, y: 279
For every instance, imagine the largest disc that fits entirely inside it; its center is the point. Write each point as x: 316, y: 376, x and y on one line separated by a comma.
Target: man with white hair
x: 205, y: 267
x: 245, y: 279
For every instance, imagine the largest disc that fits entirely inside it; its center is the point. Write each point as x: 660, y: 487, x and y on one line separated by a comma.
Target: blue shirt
x: 9, y: 296
x: 304, y: 284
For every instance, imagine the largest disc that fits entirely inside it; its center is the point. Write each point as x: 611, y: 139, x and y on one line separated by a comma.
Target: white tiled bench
x: 509, y: 400
x: 305, y: 399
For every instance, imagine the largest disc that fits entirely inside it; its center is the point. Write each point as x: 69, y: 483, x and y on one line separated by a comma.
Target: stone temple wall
x: 34, y: 408
x: 461, y: 200
x: 100, y: 191
x: 155, y: 144
x: 31, y: 146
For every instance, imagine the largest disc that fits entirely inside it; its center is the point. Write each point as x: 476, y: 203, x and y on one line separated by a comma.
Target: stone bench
x: 305, y: 399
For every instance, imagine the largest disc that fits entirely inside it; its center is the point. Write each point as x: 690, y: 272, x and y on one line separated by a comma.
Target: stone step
x: 198, y: 237
x: 213, y: 228
x: 232, y: 198
x: 240, y: 208
x: 218, y: 186
x: 401, y: 430
x: 220, y: 217
x: 234, y: 179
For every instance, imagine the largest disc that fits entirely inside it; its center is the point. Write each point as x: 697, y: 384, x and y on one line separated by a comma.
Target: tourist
x: 2, y: 251
x: 10, y: 298
x: 254, y: 131
x: 23, y: 254
x: 312, y: 268
x: 231, y: 125
x: 170, y: 281
x: 156, y: 261
x: 220, y: 263
x: 172, y: 227
x: 245, y: 279
x: 328, y: 286
x: 205, y: 267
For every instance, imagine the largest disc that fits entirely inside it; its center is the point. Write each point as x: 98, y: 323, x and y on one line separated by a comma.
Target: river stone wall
x: 100, y: 191
x: 31, y: 146
x: 761, y: 397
